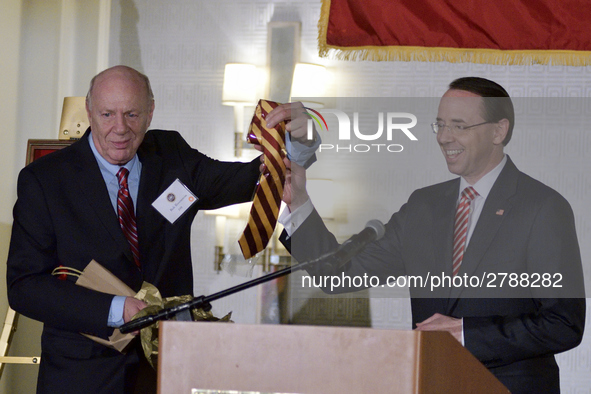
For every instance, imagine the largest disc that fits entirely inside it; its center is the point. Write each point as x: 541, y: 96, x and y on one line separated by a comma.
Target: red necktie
x: 127, y: 215
x: 461, y: 227
x: 267, y: 200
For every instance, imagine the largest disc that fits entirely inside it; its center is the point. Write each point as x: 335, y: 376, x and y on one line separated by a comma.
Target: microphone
x: 374, y: 230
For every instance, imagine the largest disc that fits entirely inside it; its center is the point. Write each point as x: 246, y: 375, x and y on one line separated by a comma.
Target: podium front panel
x: 284, y: 359
x: 311, y: 359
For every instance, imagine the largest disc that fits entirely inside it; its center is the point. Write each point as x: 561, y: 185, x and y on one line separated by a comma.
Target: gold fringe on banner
x: 452, y: 55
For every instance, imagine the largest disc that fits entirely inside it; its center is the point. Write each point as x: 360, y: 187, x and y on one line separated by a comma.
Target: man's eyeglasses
x: 454, y: 128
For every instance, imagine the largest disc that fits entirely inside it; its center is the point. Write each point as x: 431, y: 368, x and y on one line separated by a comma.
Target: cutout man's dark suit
x: 63, y: 216
x: 524, y: 227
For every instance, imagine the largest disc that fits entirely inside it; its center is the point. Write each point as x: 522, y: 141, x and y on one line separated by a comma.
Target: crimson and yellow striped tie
x: 267, y: 200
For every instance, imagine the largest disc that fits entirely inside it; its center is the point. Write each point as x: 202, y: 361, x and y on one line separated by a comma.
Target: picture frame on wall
x: 40, y: 148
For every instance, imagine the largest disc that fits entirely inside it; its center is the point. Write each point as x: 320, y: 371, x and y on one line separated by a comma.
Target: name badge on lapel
x: 175, y: 200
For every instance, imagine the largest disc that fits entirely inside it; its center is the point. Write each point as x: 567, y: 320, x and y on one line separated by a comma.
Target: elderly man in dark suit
x: 93, y: 200
x: 492, y: 219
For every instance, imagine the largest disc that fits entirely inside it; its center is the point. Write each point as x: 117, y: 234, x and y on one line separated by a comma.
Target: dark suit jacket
x: 524, y: 227
x: 63, y: 216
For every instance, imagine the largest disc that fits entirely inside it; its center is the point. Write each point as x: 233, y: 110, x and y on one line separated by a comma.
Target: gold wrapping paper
x: 98, y: 278
x: 149, y: 335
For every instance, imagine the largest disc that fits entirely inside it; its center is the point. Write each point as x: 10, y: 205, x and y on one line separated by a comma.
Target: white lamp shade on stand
x: 309, y: 80
x: 239, y: 84
x: 239, y: 90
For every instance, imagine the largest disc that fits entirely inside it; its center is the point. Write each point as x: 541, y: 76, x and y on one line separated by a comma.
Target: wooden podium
x: 307, y: 359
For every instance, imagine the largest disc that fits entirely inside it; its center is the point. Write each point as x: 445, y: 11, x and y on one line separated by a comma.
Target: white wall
x: 10, y: 31
x: 49, y: 50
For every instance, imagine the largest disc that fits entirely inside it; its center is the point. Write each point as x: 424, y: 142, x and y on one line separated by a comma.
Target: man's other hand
x: 131, y: 308
x: 294, y: 190
x: 439, y: 322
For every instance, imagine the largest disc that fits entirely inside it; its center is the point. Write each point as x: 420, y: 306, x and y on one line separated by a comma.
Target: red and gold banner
x: 479, y: 31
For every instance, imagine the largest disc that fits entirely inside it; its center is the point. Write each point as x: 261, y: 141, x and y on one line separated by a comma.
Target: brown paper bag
x: 96, y: 277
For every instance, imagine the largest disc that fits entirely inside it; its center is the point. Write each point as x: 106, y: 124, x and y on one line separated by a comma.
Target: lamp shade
x: 239, y: 84
x: 74, y: 120
x: 309, y: 80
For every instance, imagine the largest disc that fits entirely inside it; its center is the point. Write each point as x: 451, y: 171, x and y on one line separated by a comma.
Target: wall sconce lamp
x: 239, y: 91
x: 309, y: 81
x: 229, y: 224
x: 222, y: 215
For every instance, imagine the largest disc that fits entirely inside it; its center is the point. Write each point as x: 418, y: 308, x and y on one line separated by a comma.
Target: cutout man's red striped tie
x: 267, y: 200
x: 461, y: 227
x: 127, y: 215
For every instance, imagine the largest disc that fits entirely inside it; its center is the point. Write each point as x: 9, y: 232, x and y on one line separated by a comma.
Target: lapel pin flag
x: 500, y: 212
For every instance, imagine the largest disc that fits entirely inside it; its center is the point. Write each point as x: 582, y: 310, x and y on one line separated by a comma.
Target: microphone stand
x: 374, y: 229
x: 204, y: 301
